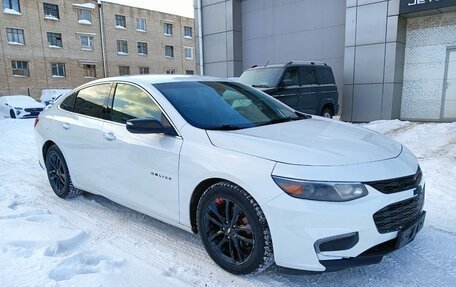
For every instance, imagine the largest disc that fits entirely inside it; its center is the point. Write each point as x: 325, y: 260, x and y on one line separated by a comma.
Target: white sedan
x: 20, y: 107
x: 260, y: 182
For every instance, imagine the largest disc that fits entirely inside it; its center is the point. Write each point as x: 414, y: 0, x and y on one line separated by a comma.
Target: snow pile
x: 91, y: 241
x: 120, y: 27
x: 51, y: 17
x: 11, y: 11
x: 85, y: 22
x: 85, y: 5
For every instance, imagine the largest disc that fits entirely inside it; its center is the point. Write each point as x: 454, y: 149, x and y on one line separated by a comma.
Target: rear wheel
x: 234, y: 230
x: 12, y: 114
x: 58, y: 174
x: 327, y: 113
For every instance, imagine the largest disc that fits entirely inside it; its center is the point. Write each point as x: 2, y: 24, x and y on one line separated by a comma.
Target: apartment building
x: 58, y: 43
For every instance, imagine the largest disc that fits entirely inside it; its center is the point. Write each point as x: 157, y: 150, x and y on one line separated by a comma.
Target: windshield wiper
x: 226, y: 128
x: 260, y: 86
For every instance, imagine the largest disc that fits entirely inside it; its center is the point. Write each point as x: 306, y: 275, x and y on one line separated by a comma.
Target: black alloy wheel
x: 234, y: 229
x: 58, y: 174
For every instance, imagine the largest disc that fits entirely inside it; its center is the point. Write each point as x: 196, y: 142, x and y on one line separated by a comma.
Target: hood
x: 316, y: 141
x: 23, y: 102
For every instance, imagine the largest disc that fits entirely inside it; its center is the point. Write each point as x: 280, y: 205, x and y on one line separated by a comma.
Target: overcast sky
x: 179, y: 7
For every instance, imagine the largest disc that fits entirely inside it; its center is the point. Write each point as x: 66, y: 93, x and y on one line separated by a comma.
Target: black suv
x: 307, y: 87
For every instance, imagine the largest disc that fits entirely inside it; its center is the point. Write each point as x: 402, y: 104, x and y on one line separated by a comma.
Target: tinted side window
x: 325, y: 75
x: 131, y: 102
x: 291, y: 77
x: 68, y: 103
x: 308, y: 76
x: 92, y: 101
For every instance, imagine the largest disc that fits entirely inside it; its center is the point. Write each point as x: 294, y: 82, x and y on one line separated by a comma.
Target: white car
x: 260, y: 182
x: 20, y: 107
x: 48, y: 96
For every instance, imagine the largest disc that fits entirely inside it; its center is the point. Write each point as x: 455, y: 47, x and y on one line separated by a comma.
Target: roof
x: 292, y: 63
x: 158, y: 79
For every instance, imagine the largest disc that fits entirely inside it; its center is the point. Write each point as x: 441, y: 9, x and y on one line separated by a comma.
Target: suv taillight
x: 37, y: 119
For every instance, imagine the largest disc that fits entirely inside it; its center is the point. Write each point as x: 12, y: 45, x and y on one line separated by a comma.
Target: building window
x: 121, y: 22
x: 54, y: 40
x: 189, y: 72
x: 86, y: 42
x: 90, y: 71
x: 188, y: 33
x: 51, y: 11
x: 144, y: 70
x: 168, y: 29
x: 169, y: 51
x: 85, y: 17
x: 141, y: 24
x: 142, y: 48
x: 188, y: 53
x: 170, y: 71
x: 122, y: 47
x: 58, y: 70
x: 124, y: 70
x: 15, y: 36
x: 20, y: 68
x: 11, y: 7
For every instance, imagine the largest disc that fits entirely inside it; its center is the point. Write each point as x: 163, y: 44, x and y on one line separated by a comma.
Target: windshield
x: 262, y: 77
x: 225, y: 105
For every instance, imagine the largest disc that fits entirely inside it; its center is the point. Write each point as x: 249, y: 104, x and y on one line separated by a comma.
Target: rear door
x: 327, y: 88
x: 309, y: 89
x: 80, y: 134
x: 141, y: 169
x: 290, y: 89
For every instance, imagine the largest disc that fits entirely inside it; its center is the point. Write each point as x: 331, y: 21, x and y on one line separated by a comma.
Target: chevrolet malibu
x: 260, y: 182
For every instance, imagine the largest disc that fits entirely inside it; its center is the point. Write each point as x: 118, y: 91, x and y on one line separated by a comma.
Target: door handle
x: 109, y: 136
x: 66, y: 126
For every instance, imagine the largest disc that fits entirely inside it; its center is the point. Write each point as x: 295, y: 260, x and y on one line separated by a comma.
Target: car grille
x: 397, y: 184
x: 35, y: 110
x: 398, y: 215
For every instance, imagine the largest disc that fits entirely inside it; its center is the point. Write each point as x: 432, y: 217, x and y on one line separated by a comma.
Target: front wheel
x: 12, y: 114
x: 234, y: 230
x: 58, y: 174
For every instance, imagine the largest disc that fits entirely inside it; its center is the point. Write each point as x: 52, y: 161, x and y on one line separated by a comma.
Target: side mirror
x: 148, y: 126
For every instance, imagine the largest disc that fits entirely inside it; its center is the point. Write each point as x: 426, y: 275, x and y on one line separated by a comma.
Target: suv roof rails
x: 289, y: 63
x: 254, y: 66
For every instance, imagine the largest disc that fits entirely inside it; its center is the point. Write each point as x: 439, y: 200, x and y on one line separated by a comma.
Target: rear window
x: 325, y: 75
x: 68, y: 102
x: 262, y: 77
x: 92, y: 101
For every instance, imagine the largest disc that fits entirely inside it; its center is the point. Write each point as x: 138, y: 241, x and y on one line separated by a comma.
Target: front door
x: 449, y: 88
x: 143, y: 168
x: 289, y: 92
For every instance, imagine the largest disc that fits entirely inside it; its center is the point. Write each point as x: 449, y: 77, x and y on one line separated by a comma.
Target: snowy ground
x: 91, y: 241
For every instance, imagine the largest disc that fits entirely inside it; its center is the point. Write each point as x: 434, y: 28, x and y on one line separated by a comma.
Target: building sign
x: 411, y: 6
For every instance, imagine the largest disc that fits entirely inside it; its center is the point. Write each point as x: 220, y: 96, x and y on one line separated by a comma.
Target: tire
x: 58, y: 174
x: 12, y: 114
x: 327, y: 113
x: 239, y: 242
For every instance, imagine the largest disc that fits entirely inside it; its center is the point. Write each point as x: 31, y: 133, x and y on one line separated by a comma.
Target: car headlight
x: 18, y: 110
x: 322, y: 191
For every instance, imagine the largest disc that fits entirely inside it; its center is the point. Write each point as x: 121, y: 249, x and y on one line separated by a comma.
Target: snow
x: 120, y: 27
x: 54, y: 47
x: 85, y: 5
x: 21, y: 101
x: 51, y: 17
x: 16, y: 43
x: 11, y: 11
x: 85, y: 22
x: 122, y: 53
x: 91, y: 241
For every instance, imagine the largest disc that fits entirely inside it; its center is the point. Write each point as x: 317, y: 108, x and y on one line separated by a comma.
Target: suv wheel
x: 327, y: 113
x: 234, y: 230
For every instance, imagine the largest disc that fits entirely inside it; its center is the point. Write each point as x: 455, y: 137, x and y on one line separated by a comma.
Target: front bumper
x: 346, y: 231
x: 298, y: 226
